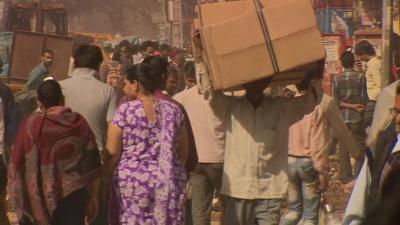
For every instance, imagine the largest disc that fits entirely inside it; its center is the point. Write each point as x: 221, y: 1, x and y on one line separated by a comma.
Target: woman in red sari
x: 55, y: 165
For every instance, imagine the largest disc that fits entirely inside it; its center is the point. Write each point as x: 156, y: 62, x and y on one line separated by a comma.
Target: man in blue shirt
x: 40, y: 72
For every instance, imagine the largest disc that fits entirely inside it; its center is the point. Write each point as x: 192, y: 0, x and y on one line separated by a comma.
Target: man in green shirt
x: 26, y: 99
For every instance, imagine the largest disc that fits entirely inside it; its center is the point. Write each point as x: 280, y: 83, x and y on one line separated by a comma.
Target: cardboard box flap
x: 292, y: 52
x: 287, y: 17
x: 213, y: 66
x: 230, y: 39
x: 259, y: 63
x: 244, y: 69
x: 212, y: 13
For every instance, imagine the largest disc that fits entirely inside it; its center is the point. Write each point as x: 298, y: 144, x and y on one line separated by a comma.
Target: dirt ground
x: 336, y: 195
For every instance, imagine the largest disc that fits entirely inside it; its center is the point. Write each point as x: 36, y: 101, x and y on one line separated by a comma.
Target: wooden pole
x: 387, y: 30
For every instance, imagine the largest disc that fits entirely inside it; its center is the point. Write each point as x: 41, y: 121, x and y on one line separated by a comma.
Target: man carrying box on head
x: 255, y: 171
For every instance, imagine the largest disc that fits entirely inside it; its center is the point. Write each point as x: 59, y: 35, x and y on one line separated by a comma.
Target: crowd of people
x: 145, y: 139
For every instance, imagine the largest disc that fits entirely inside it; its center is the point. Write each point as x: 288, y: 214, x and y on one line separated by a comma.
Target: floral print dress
x: 148, y: 184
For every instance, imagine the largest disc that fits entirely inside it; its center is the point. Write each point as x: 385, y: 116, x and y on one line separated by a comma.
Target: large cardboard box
x: 246, y: 41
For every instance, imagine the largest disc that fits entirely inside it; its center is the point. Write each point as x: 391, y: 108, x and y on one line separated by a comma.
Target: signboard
x: 333, y: 47
x: 365, y: 19
x: 27, y: 48
x: 336, y: 21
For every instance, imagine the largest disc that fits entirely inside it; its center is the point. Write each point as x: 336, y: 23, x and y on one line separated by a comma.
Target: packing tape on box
x: 259, y: 8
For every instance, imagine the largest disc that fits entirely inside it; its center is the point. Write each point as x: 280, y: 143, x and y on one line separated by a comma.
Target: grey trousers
x: 252, y: 212
x: 369, y: 113
x: 345, y: 169
x: 204, y: 180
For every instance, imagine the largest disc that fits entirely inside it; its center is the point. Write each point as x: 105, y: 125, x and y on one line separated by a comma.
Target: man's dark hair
x: 348, y: 60
x: 164, y: 47
x: 304, y: 83
x: 124, y: 43
x: 315, y: 72
x: 156, y: 45
x: 318, y: 70
x: 116, y: 56
x: 135, y: 48
x: 175, y: 51
x: 364, y: 48
x: 147, y: 44
x: 47, y: 51
x: 189, y: 69
x: 88, y: 56
x: 172, y: 72
x: 78, y: 42
x: 50, y: 93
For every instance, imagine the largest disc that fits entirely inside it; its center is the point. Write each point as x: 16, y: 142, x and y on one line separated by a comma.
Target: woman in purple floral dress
x: 144, y: 157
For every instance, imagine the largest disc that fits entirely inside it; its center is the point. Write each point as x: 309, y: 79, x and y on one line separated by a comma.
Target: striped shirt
x: 350, y: 87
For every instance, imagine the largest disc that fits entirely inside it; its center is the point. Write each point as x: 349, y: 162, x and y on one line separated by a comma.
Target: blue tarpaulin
x: 5, y: 46
x: 336, y: 21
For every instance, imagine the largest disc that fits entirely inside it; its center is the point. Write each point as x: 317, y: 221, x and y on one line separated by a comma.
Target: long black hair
x: 159, y: 66
x: 146, y: 75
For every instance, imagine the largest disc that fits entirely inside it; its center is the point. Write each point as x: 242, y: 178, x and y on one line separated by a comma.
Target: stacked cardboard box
x: 248, y: 40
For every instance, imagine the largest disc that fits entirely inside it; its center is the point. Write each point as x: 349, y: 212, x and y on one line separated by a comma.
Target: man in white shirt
x: 209, y: 135
x: 375, y: 79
